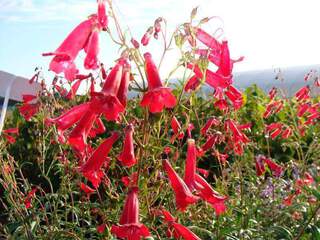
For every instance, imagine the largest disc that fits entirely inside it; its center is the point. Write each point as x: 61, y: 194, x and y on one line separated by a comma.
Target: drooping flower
x: 207, y: 193
x: 274, y: 167
x: 183, y: 195
x: 176, y: 128
x: 102, y: 16
x: 68, y: 119
x: 29, y: 107
x: 179, y: 231
x: 191, y: 165
x: 129, y: 225
x: 10, y: 134
x: 157, y: 97
x: 211, y: 122
x: 123, y: 88
x: 86, y: 189
x: 127, y: 156
x: 106, y: 101
x: 78, y: 136
x: 207, y: 39
x: 147, y: 36
x: 303, y: 93
x: 99, y: 156
x: 66, y: 53
x: 98, y: 128
x: 92, y: 50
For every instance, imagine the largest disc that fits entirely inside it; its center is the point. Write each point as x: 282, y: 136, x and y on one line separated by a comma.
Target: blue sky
x: 268, y: 33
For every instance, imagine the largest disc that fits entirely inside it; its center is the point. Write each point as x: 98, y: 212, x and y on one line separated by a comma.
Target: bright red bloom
x: 192, y: 83
x: 86, y: 189
x: 274, y: 167
x: 78, y: 137
x: 67, y: 119
x: 179, y: 231
x: 28, y: 109
x: 102, y: 16
x: 207, y: 39
x: 183, y: 195
x: 147, y: 36
x: 92, y: 50
x: 303, y: 108
x: 157, y: 97
x: 176, y: 128
x: 7, y: 133
x: 127, y: 157
x: 131, y: 180
x: 204, y: 172
x: 191, y: 165
x: 106, y: 101
x: 98, y: 128
x: 272, y: 93
x: 101, y: 228
x: 129, y: 225
x: 211, y: 122
x: 208, y: 194
x: 29, y: 197
x: 286, y: 133
x: 211, y: 141
x: 225, y: 66
x: 99, y: 156
x: 123, y: 88
x: 67, y: 52
x: 303, y: 93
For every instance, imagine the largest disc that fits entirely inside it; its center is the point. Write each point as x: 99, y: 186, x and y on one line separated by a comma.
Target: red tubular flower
x: 29, y: 197
x: 286, y: 133
x: 106, y: 101
x: 147, y: 36
x: 91, y: 60
x: 211, y: 141
x: 204, y: 172
x: 303, y: 108
x: 274, y: 167
x: 179, y: 231
x: 183, y: 195
x: 78, y: 137
x: 192, y: 84
x: 157, y: 97
x: 303, y: 93
x: 28, y: 109
x: 66, y: 53
x: 67, y: 119
x: 221, y: 104
x: 208, y: 194
x: 207, y: 39
x: 99, y: 156
x: 98, y: 128
x: 272, y: 93
x: 129, y: 225
x: 127, y: 157
x: 225, y: 66
x: 131, y: 180
x: 123, y: 88
x: 86, y: 189
x: 191, y: 165
x: 176, y: 128
x: 7, y: 133
x: 102, y: 16
x: 211, y: 121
